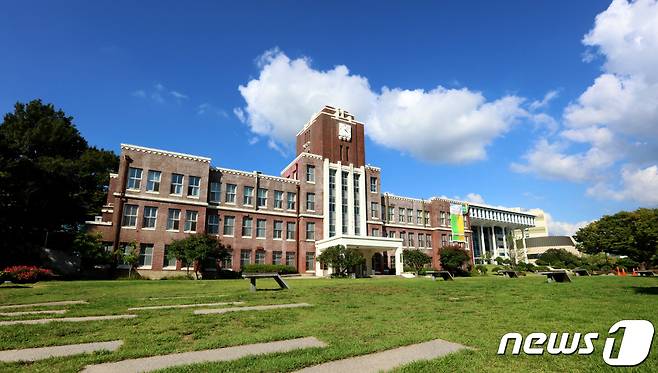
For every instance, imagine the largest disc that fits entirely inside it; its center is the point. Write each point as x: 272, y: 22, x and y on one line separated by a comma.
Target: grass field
x: 353, y: 316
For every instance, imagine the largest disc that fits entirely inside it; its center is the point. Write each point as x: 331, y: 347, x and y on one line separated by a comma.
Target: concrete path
x: 34, y: 354
x: 60, y: 303
x: 250, y: 308
x: 183, y: 306
x: 188, y: 296
x: 51, y: 312
x: 67, y: 319
x: 148, y: 364
x: 388, y: 360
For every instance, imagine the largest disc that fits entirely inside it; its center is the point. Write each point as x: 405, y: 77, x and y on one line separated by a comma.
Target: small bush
x: 27, y: 274
x: 541, y: 268
x: 481, y: 269
x: 496, y: 269
x: 263, y: 268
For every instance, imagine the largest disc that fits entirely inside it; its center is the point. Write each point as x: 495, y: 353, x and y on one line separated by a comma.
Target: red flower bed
x: 26, y: 274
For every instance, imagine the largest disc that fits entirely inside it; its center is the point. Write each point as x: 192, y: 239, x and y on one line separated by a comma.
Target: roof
x: 546, y: 241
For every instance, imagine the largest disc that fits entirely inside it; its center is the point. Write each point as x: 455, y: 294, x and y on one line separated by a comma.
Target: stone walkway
x: 148, y: 364
x: 23, y: 313
x: 34, y: 354
x: 250, y: 308
x: 188, y: 296
x: 67, y: 319
x: 388, y: 360
x: 60, y: 303
x: 183, y: 306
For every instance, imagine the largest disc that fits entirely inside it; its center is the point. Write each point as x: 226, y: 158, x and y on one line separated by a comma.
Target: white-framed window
x: 310, y: 173
x: 191, y: 220
x: 245, y: 257
x: 421, y: 240
x: 229, y: 225
x: 310, y: 230
x: 310, y: 261
x: 260, y: 256
x: 290, y: 259
x: 443, y: 218
x: 310, y: 201
x: 262, y: 197
x: 410, y: 216
x: 228, y: 261
x: 375, y: 232
x: 374, y: 210
x: 153, y: 181
x: 277, y: 257
x: 278, y: 229
x: 428, y: 240
x: 278, y: 199
x: 150, y: 217
x: 215, y: 192
x: 291, y: 200
x: 261, y: 225
x: 230, y: 193
x: 213, y: 224
x: 248, y: 196
x: 403, y: 236
x: 410, y: 238
x: 173, y: 220
x: 145, y: 255
x: 247, y: 225
x: 134, y: 178
x: 176, y: 184
x: 129, y: 216
x: 391, y: 234
x: 444, y: 240
x: 427, y: 218
x: 390, y: 214
x: 373, y: 184
x: 419, y: 217
x: 400, y: 215
x: 168, y: 262
x: 290, y: 231
x: 193, y: 186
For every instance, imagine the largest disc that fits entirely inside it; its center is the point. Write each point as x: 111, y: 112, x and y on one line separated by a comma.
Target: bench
x: 445, y: 275
x: 645, y: 273
x: 557, y: 276
x: 510, y: 273
x: 252, y: 277
x: 580, y: 272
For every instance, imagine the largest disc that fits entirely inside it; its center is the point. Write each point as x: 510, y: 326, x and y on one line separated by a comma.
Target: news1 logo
x: 633, y: 349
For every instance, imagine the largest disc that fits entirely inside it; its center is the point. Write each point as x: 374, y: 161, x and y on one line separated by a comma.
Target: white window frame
x: 248, y: 198
x: 134, y: 181
x: 125, y: 215
x: 173, y: 219
x: 188, y: 219
x: 228, y: 219
x: 193, y: 189
x: 152, y: 183
x: 150, y: 212
x: 231, y: 191
x: 176, y: 188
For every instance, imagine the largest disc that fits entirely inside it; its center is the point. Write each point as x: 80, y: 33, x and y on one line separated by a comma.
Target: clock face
x: 344, y: 131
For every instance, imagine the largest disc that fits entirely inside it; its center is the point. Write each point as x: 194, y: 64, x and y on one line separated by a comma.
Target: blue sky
x: 167, y: 74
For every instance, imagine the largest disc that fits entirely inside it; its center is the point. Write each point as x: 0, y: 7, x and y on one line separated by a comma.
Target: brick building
x: 326, y: 196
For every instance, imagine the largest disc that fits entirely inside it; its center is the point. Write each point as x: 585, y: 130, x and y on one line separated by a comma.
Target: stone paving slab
x: 59, y: 303
x: 34, y: 354
x: 23, y: 313
x: 187, y: 297
x: 183, y: 306
x: 250, y: 308
x: 388, y: 360
x: 148, y: 364
x: 67, y: 319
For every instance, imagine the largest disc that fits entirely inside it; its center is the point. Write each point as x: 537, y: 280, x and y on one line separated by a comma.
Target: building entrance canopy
x: 367, y: 244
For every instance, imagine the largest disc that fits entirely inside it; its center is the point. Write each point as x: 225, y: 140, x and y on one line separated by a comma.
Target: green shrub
x: 481, y: 269
x: 264, y: 268
x: 541, y: 268
x: 496, y: 269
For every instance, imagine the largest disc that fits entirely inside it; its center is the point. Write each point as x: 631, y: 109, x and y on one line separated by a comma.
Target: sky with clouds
x: 550, y: 104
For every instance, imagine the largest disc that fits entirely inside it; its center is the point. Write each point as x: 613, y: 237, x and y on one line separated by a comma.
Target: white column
x: 483, y: 247
x: 350, y: 201
x: 325, y: 198
x: 362, y: 202
x: 398, y: 261
x: 505, y: 243
x: 339, y: 201
x: 494, y: 248
x: 318, y: 267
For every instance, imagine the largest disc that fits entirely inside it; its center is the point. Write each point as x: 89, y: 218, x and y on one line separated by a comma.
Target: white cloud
x: 617, y: 116
x: 178, y: 95
x: 206, y: 108
x: 543, y: 103
x: 561, y: 228
x: 474, y: 197
x: 639, y: 184
x: 439, y: 125
x: 159, y: 94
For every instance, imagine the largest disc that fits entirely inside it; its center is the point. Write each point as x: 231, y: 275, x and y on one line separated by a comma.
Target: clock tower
x: 333, y: 133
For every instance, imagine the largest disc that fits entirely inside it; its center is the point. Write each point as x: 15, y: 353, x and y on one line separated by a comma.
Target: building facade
x: 326, y: 196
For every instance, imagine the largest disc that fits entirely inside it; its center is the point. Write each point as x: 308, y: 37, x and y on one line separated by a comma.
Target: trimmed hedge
x: 264, y: 268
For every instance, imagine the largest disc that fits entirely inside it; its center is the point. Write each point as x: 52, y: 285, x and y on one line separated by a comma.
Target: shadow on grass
x: 645, y: 290
x: 15, y: 287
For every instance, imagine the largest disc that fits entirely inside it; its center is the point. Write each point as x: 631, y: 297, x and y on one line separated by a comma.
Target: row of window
x: 149, y: 221
x: 500, y: 216
x: 230, y: 197
x: 407, y: 216
x: 153, y: 180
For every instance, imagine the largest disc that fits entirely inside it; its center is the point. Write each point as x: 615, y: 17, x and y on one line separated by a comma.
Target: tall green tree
x: 454, y: 259
x: 415, y: 259
x: 342, y: 261
x: 195, y: 249
x: 51, y: 180
x: 633, y: 234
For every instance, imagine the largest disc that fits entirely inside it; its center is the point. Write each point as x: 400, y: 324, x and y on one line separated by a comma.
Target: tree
x: 130, y: 256
x: 633, y: 234
x: 342, y: 261
x: 415, y: 259
x: 196, y: 249
x: 91, y: 250
x: 559, y: 258
x: 454, y: 259
x: 51, y: 180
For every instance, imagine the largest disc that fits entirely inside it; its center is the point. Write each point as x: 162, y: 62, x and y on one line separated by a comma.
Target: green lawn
x: 353, y: 316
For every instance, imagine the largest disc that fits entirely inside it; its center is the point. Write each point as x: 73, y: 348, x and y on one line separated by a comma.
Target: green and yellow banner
x: 457, y: 212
